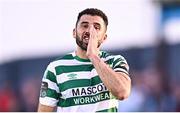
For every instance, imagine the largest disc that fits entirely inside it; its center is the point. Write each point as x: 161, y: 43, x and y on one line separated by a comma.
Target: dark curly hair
x: 93, y: 12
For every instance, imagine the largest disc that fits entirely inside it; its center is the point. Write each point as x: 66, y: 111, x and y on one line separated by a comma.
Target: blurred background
x: 145, y: 32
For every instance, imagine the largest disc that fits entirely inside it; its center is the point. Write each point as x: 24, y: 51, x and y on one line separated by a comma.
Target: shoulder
x: 60, y: 60
x: 68, y: 56
x: 107, y: 56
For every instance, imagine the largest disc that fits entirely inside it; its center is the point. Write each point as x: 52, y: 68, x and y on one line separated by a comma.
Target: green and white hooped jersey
x: 73, y: 85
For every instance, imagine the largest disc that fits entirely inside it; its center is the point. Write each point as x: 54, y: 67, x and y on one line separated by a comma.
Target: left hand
x: 92, y: 49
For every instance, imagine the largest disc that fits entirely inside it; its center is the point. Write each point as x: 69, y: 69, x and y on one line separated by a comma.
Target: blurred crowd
x: 152, y: 91
x: 22, y: 99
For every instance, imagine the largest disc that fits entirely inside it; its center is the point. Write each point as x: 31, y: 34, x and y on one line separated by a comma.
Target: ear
x: 74, y: 32
x: 105, y: 37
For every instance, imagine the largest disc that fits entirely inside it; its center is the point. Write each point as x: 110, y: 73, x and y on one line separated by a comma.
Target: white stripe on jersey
x: 106, y: 104
x: 51, y: 85
x: 120, y: 69
x: 72, y: 62
x: 68, y: 93
x: 48, y: 101
x: 79, y: 75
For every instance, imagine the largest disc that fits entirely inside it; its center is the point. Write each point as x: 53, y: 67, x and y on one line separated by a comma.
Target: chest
x: 81, y: 83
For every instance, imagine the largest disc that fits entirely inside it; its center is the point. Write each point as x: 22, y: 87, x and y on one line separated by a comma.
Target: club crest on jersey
x: 44, y: 89
x: 72, y: 76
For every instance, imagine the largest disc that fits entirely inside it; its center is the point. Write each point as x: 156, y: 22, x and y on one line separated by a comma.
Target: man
x: 88, y: 79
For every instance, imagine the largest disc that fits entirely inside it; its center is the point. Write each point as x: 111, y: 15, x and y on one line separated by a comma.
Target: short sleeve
x: 120, y: 64
x: 49, y: 93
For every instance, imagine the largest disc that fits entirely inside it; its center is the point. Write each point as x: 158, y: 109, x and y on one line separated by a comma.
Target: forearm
x: 118, y: 84
x: 43, y: 108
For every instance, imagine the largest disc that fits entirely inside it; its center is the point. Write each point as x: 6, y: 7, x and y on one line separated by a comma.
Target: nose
x: 87, y: 33
x: 88, y: 30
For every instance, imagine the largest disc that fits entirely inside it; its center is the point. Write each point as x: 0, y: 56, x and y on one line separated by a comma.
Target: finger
x: 91, y: 30
x: 93, y: 33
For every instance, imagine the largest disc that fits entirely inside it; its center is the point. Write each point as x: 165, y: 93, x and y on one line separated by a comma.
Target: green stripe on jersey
x: 104, y: 54
x: 79, y: 83
x: 50, y: 75
x: 52, y: 93
x: 110, y: 61
x: 81, y: 59
x: 116, y: 61
x: 76, y: 68
x: 73, y: 68
x: 82, y: 100
x: 114, y: 109
x: 66, y: 57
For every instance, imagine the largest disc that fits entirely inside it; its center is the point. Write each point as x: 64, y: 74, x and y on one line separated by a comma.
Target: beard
x: 82, y: 44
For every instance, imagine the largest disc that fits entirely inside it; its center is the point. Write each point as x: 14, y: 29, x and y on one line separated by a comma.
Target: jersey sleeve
x: 120, y: 64
x: 49, y: 92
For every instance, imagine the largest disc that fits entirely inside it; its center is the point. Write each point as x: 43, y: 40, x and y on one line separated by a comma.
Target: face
x: 82, y: 34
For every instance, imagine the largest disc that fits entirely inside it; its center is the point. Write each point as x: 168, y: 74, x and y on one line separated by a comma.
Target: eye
x: 97, y: 27
x: 84, y: 25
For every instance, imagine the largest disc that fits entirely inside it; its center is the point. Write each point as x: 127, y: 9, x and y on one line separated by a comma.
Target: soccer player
x: 87, y: 79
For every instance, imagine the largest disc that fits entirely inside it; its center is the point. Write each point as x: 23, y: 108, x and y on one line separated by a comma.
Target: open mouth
x: 86, y: 38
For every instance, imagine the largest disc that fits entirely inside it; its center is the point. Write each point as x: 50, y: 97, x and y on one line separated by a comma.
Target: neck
x: 81, y: 53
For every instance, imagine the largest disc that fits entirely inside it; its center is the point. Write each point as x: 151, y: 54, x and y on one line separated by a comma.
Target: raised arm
x: 118, y: 83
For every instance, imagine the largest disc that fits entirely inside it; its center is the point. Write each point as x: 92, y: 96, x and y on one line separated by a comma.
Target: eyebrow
x: 84, y: 22
x: 93, y: 23
x: 97, y: 24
